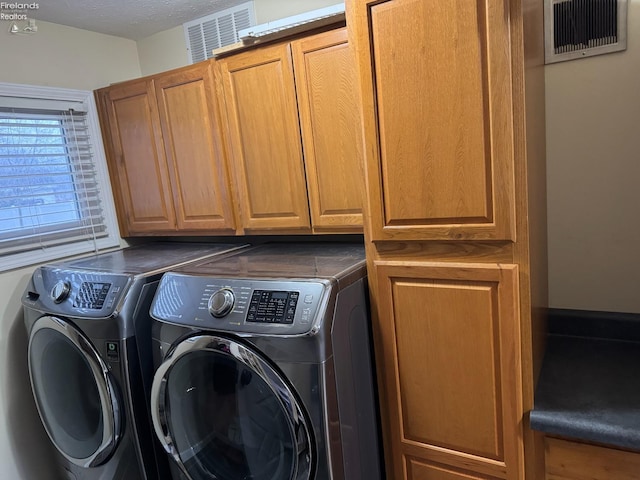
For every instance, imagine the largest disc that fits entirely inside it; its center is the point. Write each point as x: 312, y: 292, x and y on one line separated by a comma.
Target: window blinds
x: 49, y: 193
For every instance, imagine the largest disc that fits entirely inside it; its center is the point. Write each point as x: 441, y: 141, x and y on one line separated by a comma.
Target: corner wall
x: 56, y: 56
x: 593, y: 178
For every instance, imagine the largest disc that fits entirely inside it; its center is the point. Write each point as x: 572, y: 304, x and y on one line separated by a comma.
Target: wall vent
x: 217, y: 30
x: 583, y: 28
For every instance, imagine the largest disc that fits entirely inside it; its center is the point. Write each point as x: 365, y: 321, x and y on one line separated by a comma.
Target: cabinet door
x: 331, y: 132
x: 191, y: 132
x: 436, y: 92
x: 264, y: 136
x: 450, y: 337
x: 137, y: 163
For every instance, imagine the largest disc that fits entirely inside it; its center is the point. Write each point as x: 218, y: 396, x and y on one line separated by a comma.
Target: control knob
x: 60, y: 291
x: 221, y: 302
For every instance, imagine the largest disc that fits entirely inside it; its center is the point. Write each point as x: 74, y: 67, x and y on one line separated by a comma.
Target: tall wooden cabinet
x: 165, y: 154
x: 453, y: 118
x: 294, y: 135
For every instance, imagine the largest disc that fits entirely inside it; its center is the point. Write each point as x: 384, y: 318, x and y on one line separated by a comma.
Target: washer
x: 265, y: 368
x: 90, y: 361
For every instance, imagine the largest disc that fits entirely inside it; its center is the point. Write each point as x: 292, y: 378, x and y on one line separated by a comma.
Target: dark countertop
x: 589, y: 386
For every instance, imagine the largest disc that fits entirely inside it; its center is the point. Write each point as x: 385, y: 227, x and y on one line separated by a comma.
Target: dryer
x: 90, y: 357
x: 265, y: 366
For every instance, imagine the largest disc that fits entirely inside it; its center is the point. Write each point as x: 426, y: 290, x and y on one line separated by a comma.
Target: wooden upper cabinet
x: 191, y: 130
x: 452, y: 382
x: 437, y: 118
x: 264, y: 137
x: 331, y: 134
x: 136, y: 162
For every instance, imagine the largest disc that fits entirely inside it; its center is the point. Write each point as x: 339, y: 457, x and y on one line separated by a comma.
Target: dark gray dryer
x: 90, y: 362
x: 265, y: 366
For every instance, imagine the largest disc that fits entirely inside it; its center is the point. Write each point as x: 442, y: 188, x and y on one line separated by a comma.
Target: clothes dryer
x: 265, y: 367
x: 90, y: 362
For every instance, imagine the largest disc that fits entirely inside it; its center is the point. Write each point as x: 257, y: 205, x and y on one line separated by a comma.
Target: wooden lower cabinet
x: 566, y: 460
x: 450, y: 336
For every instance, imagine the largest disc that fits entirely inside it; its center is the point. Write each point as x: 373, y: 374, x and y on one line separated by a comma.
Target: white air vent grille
x: 217, y: 30
x: 582, y: 28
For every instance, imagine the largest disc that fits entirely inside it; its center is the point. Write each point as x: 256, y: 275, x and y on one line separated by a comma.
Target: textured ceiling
x: 134, y: 19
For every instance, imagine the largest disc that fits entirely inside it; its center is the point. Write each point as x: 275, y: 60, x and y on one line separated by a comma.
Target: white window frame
x: 45, y: 254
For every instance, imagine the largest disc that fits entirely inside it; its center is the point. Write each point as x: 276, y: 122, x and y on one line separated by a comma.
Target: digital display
x: 92, y: 295
x: 272, y: 306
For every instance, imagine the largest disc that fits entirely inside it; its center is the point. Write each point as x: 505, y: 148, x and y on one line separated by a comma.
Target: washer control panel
x: 252, y: 306
x: 272, y: 306
x: 76, y: 292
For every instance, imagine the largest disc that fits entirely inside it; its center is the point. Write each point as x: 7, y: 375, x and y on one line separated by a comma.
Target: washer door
x: 74, y: 392
x: 223, y: 412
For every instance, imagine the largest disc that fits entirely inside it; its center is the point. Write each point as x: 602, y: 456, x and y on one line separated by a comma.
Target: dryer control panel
x: 250, y: 306
x: 76, y: 292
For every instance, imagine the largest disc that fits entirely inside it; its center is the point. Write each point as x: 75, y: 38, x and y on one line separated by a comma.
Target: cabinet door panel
x: 265, y: 138
x: 441, y: 110
x: 138, y: 167
x: 191, y: 129
x: 451, y: 334
x: 418, y: 470
x: 331, y: 133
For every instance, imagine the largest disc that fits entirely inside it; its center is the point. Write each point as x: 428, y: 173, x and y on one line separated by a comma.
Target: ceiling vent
x: 583, y: 28
x: 217, y: 30
x: 295, y: 24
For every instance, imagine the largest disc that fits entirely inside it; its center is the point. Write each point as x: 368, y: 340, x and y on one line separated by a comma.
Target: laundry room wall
x: 55, y: 56
x: 167, y: 50
x: 593, y: 171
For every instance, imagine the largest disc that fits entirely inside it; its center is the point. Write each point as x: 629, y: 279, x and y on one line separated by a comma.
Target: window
x: 55, y: 198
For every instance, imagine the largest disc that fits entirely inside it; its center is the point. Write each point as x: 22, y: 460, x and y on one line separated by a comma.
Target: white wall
x: 163, y: 51
x: 593, y: 168
x: 167, y: 50
x: 56, y: 56
x: 25, y: 452
x: 60, y: 56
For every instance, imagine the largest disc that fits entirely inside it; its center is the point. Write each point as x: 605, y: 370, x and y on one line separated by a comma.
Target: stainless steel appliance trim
x: 251, y: 359
x: 108, y: 398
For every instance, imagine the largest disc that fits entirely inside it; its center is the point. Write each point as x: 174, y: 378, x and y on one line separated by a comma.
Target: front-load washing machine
x: 90, y: 362
x: 265, y: 369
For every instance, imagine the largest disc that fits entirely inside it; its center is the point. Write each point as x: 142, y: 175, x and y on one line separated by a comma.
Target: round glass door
x: 73, y: 391
x: 226, y: 414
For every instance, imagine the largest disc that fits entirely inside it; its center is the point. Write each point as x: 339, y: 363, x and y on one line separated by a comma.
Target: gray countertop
x: 589, y: 386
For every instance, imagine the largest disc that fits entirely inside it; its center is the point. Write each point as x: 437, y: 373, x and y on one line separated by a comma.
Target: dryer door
x: 223, y: 412
x: 74, y: 392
